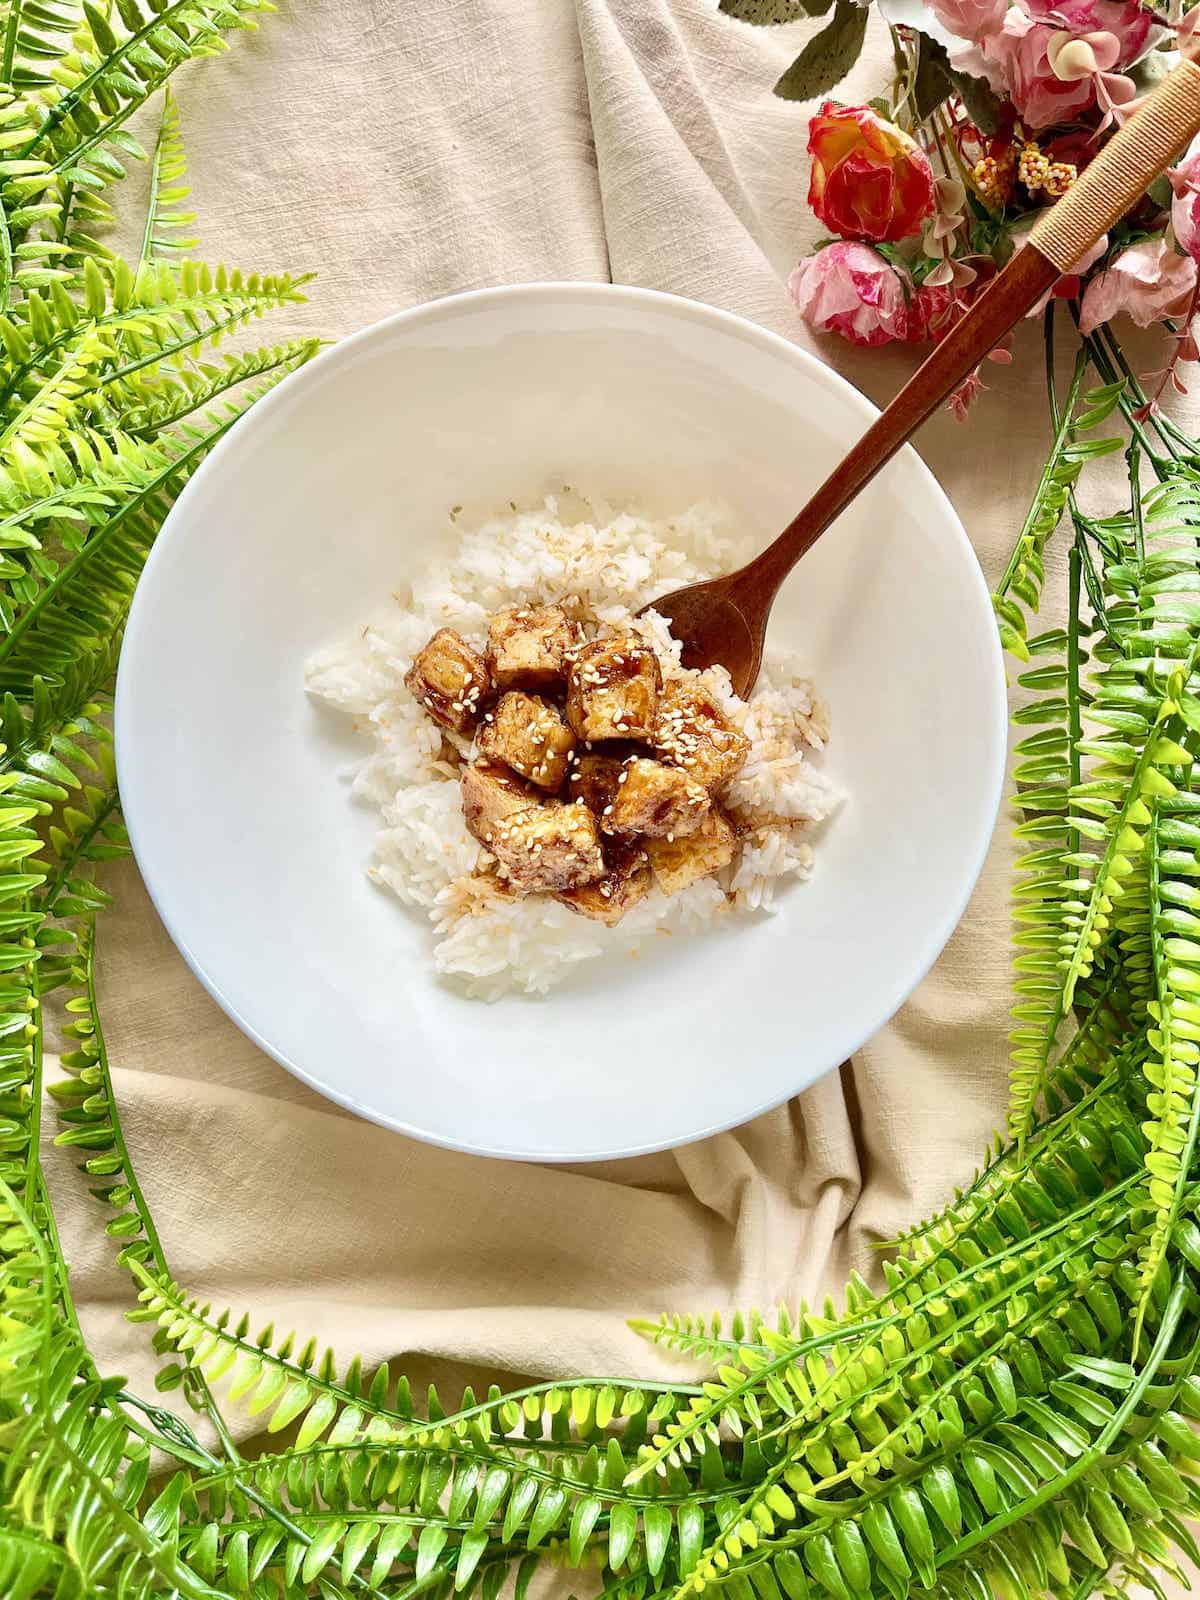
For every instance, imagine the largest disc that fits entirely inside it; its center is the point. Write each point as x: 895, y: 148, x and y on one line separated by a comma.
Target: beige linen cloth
x: 405, y: 152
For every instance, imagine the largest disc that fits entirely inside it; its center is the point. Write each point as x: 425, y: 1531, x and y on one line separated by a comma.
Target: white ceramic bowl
x: 333, y: 489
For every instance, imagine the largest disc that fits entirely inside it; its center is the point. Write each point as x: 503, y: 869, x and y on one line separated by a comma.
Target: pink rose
x: 1185, y: 208
x: 1148, y: 281
x: 850, y: 289
x: 970, y: 19
x: 870, y: 180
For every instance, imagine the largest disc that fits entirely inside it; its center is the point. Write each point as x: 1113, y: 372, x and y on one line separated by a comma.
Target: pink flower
x: 869, y: 179
x: 1074, y: 56
x: 929, y: 313
x: 1020, y: 66
x: 970, y: 19
x: 1090, y: 58
x: 1057, y: 60
x: 1018, y: 57
x: 1127, y: 20
x: 1148, y: 281
x: 850, y: 289
x: 965, y: 396
x: 1185, y: 208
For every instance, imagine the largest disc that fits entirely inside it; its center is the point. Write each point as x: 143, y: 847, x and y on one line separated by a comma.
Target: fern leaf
x: 1173, y: 1105
x: 73, y: 610
x: 168, y: 190
x: 46, y: 415
x: 176, y: 395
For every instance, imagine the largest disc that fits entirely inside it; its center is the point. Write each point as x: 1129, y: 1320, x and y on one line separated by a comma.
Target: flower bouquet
x: 993, y: 111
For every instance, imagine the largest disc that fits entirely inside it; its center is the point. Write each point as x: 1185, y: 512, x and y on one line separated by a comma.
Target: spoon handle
x: 1113, y: 182
x: 1118, y: 177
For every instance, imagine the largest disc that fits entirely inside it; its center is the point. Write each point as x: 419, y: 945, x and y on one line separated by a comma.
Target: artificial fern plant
x: 1009, y: 1415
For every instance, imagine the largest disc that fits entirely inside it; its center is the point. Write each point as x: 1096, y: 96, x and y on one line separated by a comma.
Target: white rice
x: 614, y: 564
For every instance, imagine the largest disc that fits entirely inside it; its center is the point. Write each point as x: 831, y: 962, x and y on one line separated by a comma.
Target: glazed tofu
x: 692, y: 732
x: 531, y: 736
x: 680, y: 862
x: 659, y: 801
x: 626, y: 880
x: 450, y: 680
x: 548, y: 846
x: 593, y: 779
x: 527, y: 646
x: 490, y: 795
x: 612, y: 689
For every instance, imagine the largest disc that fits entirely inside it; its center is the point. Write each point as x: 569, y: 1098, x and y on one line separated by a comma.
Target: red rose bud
x: 869, y: 179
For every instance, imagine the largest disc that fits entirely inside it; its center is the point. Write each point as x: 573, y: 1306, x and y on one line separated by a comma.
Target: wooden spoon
x: 725, y: 619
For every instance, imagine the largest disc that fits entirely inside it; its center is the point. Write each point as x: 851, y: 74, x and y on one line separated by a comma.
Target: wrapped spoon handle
x: 1131, y: 160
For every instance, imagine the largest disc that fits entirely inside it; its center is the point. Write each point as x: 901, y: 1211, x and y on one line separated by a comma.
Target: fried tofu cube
x: 593, y: 779
x: 549, y: 846
x: 680, y: 862
x: 527, y: 646
x: 489, y: 796
x: 531, y: 736
x: 691, y: 731
x: 450, y: 680
x: 612, y: 689
x: 659, y: 801
x: 626, y: 880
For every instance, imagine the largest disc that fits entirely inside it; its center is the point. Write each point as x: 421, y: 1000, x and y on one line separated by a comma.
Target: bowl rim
x: 343, y: 351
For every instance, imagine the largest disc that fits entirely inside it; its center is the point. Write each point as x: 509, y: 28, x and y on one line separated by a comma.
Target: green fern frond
x: 116, y: 60
x: 1044, y: 774
x: 702, y: 1339
x: 173, y: 395
x: 1049, y: 764
x: 74, y: 609
x: 73, y: 1470
x: 1018, y: 593
x: 85, y: 1103
x: 274, y: 1378
x: 1173, y: 1104
x: 34, y: 34
x: 38, y: 754
x: 1064, y: 1460
x: 42, y: 420
x: 165, y: 223
x: 159, y: 314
